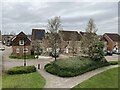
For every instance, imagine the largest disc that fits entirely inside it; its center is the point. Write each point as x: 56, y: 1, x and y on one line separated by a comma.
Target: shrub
x: 21, y: 69
x: 21, y: 57
x: 74, y: 66
x: 113, y: 62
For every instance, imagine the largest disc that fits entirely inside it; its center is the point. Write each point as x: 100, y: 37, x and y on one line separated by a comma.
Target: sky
x: 25, y: 15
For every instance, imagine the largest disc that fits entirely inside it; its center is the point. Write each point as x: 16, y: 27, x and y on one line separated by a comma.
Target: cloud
x: 74, y: 15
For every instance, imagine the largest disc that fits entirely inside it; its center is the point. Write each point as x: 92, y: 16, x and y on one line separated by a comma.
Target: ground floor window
x: 17, y: 50
x: 25, y: 50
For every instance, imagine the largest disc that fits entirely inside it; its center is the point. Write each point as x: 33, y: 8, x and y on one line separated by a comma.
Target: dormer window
x: 21, y: 42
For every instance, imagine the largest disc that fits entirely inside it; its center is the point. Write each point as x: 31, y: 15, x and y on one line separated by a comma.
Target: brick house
x: 37, y: 43
x: 67, y: 41
x: 111, y: 41
x: 21, y: 44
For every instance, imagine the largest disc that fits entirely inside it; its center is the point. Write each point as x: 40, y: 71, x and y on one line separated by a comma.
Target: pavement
x: 114, y: 57
x: 52, y: 81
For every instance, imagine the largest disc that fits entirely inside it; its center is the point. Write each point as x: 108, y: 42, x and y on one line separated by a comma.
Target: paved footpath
x: 53, y: 81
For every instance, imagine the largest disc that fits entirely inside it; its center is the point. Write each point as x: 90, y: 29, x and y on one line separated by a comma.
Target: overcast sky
x: 23, y: 16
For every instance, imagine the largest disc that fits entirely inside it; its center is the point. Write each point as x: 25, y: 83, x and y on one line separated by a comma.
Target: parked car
x: 116, y: 51
x: 2, y: 48
x: 107, y: 52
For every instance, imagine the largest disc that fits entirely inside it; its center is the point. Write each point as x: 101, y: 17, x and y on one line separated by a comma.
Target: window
x: 17, y: 50
x: 21, y: 42
x: 25, y: 50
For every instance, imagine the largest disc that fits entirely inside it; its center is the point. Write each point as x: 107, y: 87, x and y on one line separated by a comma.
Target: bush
x: 37, y: 53
x: 21, y: 57
x: 113, y: 62
x: 74, y: 66
x: 21, y: 70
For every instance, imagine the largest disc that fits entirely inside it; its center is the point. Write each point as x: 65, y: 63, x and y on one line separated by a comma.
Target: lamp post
x: 24, y: 53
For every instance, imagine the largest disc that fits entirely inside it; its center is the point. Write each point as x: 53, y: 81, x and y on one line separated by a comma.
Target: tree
x: 36, y: 46
x: 73, y: 43
x: 54, y: 25
x: 91, y: 44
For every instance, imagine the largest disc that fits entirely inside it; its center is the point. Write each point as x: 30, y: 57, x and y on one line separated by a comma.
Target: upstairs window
x: 21, y: 42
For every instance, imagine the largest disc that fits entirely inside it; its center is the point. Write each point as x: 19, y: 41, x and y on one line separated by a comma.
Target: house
x: 7, y: 39
x: 111, y: 41
x: 21, y: 45
x: 38, y: 36
x: 70, y: 40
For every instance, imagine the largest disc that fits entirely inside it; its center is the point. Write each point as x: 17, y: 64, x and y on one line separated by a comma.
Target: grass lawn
x: 31, y: 80
x: 0, y: 82
x: 106, y: 79
x: 73, y: 66
x: 114, y: 62
x: 22, y: 57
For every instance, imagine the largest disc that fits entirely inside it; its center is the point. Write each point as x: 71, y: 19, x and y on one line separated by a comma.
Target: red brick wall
x: 110, y: 43
x: 21, y: 48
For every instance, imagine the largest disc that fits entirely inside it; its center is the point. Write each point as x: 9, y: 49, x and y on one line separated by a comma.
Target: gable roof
x: 21, y: 35
x: 113, y: 36
x: 67, y: 35
x: 38, y: 34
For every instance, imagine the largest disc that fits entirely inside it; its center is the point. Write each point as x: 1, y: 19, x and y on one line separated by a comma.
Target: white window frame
x: 17, y: 50
x: 26, y: 50
x: 20, y: 42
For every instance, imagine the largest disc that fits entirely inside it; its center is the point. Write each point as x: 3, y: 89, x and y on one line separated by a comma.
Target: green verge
x: 21, y: 70
x: 22, y: 57
x: 31, y: 80
x: 73, y: 66
x: 106, y: 79
x: 114, y: 62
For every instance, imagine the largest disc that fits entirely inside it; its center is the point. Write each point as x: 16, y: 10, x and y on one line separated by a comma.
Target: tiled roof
x: 113, y: 36
x: 82, y: 33
x: 67, y: 35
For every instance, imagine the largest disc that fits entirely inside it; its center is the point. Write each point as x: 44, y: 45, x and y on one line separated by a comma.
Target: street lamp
x: 24, y: 53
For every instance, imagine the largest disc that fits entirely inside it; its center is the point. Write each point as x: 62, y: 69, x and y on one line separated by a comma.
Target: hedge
x: 81, y: 66
x: 21, y: 70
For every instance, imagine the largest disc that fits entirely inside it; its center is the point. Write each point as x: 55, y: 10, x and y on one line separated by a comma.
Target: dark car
x: 107, y: 52
x: 2, y: 48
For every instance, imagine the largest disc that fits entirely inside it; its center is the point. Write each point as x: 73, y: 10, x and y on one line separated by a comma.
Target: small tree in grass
x: 91, y: 44
x: 54, y: 25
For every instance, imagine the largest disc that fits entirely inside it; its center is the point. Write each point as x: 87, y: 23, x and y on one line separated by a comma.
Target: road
x: 8, y: 63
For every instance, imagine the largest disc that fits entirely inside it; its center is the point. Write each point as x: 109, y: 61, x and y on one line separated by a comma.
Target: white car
x: 2, y: 48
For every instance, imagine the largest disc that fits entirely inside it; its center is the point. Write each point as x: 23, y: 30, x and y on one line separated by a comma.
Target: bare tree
x: 91, y: 45
x: 36, y: 46
x: 73, y: 43
x: 54, y: 25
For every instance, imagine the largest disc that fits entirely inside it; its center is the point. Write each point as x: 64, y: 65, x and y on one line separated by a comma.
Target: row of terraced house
x: 30, y: 43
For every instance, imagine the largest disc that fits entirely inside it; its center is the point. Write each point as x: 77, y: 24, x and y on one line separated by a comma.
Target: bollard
x: 38, y: 66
